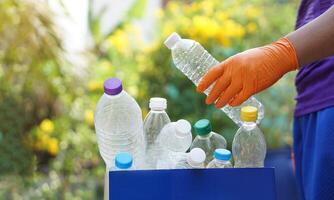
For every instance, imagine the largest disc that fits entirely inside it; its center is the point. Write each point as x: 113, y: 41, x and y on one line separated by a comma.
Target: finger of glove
x: 228, y: 94
x: 211, y: 76
x: 239, y: 99
x: 222, y: 83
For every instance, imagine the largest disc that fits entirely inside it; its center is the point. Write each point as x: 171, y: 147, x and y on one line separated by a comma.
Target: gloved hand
x: 244, y: 74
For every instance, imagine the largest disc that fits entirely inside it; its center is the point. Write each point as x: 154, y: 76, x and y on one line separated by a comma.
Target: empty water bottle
x: 123, y: 161
x: 155, y: 120
x: 221, y: 159
x: 192, y: 160
x: 207, y: 140
x: 194, y: 61
x: 175, y: 139
x: 118, y: 124
x: 249, y: 145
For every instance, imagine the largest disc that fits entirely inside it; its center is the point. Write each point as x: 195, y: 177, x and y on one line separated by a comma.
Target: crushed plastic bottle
x: 249, y: 145
x: 192, y: 160
x: 194, y: 61
x: 175, y: 139
x: 207, y: 140
x: 155, y: 120
x: 221, y: 159
x: 118, y: 124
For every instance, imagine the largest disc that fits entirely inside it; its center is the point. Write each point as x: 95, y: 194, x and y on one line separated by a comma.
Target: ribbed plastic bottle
x: 207, y: 140
x: 175, y: 139
x: 118, y: 124
x: 155, y: 120
x: 221, y: 159
x: 193, y: 160
x: 194, y: 61
x: 249, y: 145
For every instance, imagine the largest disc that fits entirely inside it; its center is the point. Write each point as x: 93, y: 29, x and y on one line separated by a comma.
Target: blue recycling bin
x: 193, y: 184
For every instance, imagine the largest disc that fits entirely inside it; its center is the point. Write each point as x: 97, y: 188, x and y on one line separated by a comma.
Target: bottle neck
x: 222, y: 161
x: 154, y: 110
x: 205, y: 136
x: 248, y: 125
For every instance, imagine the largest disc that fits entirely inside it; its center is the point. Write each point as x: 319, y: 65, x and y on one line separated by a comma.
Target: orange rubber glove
x: 247, y: 73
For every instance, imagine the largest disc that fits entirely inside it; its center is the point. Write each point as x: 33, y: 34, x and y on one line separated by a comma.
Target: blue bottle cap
x: 222, y: 154
x: 123, y: 160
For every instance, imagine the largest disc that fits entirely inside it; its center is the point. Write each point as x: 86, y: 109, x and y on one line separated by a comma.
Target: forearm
x: 314, y: 40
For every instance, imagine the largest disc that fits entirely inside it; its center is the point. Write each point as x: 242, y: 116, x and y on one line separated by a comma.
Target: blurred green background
x: 47, y: 140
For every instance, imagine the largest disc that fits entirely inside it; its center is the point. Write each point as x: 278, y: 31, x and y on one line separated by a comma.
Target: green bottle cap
x: 202, y: 127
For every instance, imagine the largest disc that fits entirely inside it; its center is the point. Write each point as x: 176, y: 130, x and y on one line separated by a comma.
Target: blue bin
x: 195, y: 184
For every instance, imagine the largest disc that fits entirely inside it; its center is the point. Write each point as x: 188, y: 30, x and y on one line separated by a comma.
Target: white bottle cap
x: 182, y: 128
x: 157, y: 103
x: 196, y: 157
x: 172, y: 40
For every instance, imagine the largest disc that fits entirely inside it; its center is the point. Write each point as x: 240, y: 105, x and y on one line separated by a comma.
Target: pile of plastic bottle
x: 127, y: 142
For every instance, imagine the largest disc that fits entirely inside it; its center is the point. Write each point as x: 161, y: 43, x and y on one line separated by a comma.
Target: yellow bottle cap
x: 248, y: 114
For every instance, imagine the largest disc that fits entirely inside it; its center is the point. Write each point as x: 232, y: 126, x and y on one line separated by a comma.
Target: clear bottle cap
x: 157, y: 103
x: 182, y: 127
x: 196, y: 157
x: 172, y: 40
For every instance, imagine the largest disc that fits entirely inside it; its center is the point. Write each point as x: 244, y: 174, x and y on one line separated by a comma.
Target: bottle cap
x: 157, y: 103
x: 222, y: 154
x: 182, y: 127
x: 202, y: 127
x: 123, y: 160
x: 196, y: 157
x: 113, y: 86
x: 172, y: 40
x: 248, y: 114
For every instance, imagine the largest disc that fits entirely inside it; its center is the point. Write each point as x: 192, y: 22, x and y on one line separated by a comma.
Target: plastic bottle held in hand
x: 192, y: 160
x: 175, y: 139
x: 118, y: 124
x: 221, y: 159
x: 155, y: 120
x: 206, y: 139
x: 194, y: 61
x: 249, y: 145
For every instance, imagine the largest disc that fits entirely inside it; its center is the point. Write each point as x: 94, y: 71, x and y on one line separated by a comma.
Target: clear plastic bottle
x: 249, y: 145
x: 221, y: 159
x: 175, y: 139
x: 118, y: 124
x: 123, y: 161
x: 192, y: 160
x: 155, y: 120
x: 207, y: 140
x: 194, y: 61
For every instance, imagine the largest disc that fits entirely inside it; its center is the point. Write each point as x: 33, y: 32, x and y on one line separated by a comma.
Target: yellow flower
x: 252, y: 12
x: 47, y: 126
x: 94, y: 85
x: 53, y: 147
x: 172, y: 6
x: 119, y: 41
x: 251, y: 27
x: 233, y: 29
x: 204, y: 28
x: 167, y: 29
x: 89, y: 117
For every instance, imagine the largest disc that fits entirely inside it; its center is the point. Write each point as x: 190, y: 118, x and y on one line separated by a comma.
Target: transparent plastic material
x: 173, y: 145
x: 153, y: 123
x: 194, y: 61
x: 215, y: 163
x: 119, y: 128
x: 209, y: 143
x: 192, y: 160
x: 249, y: 146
